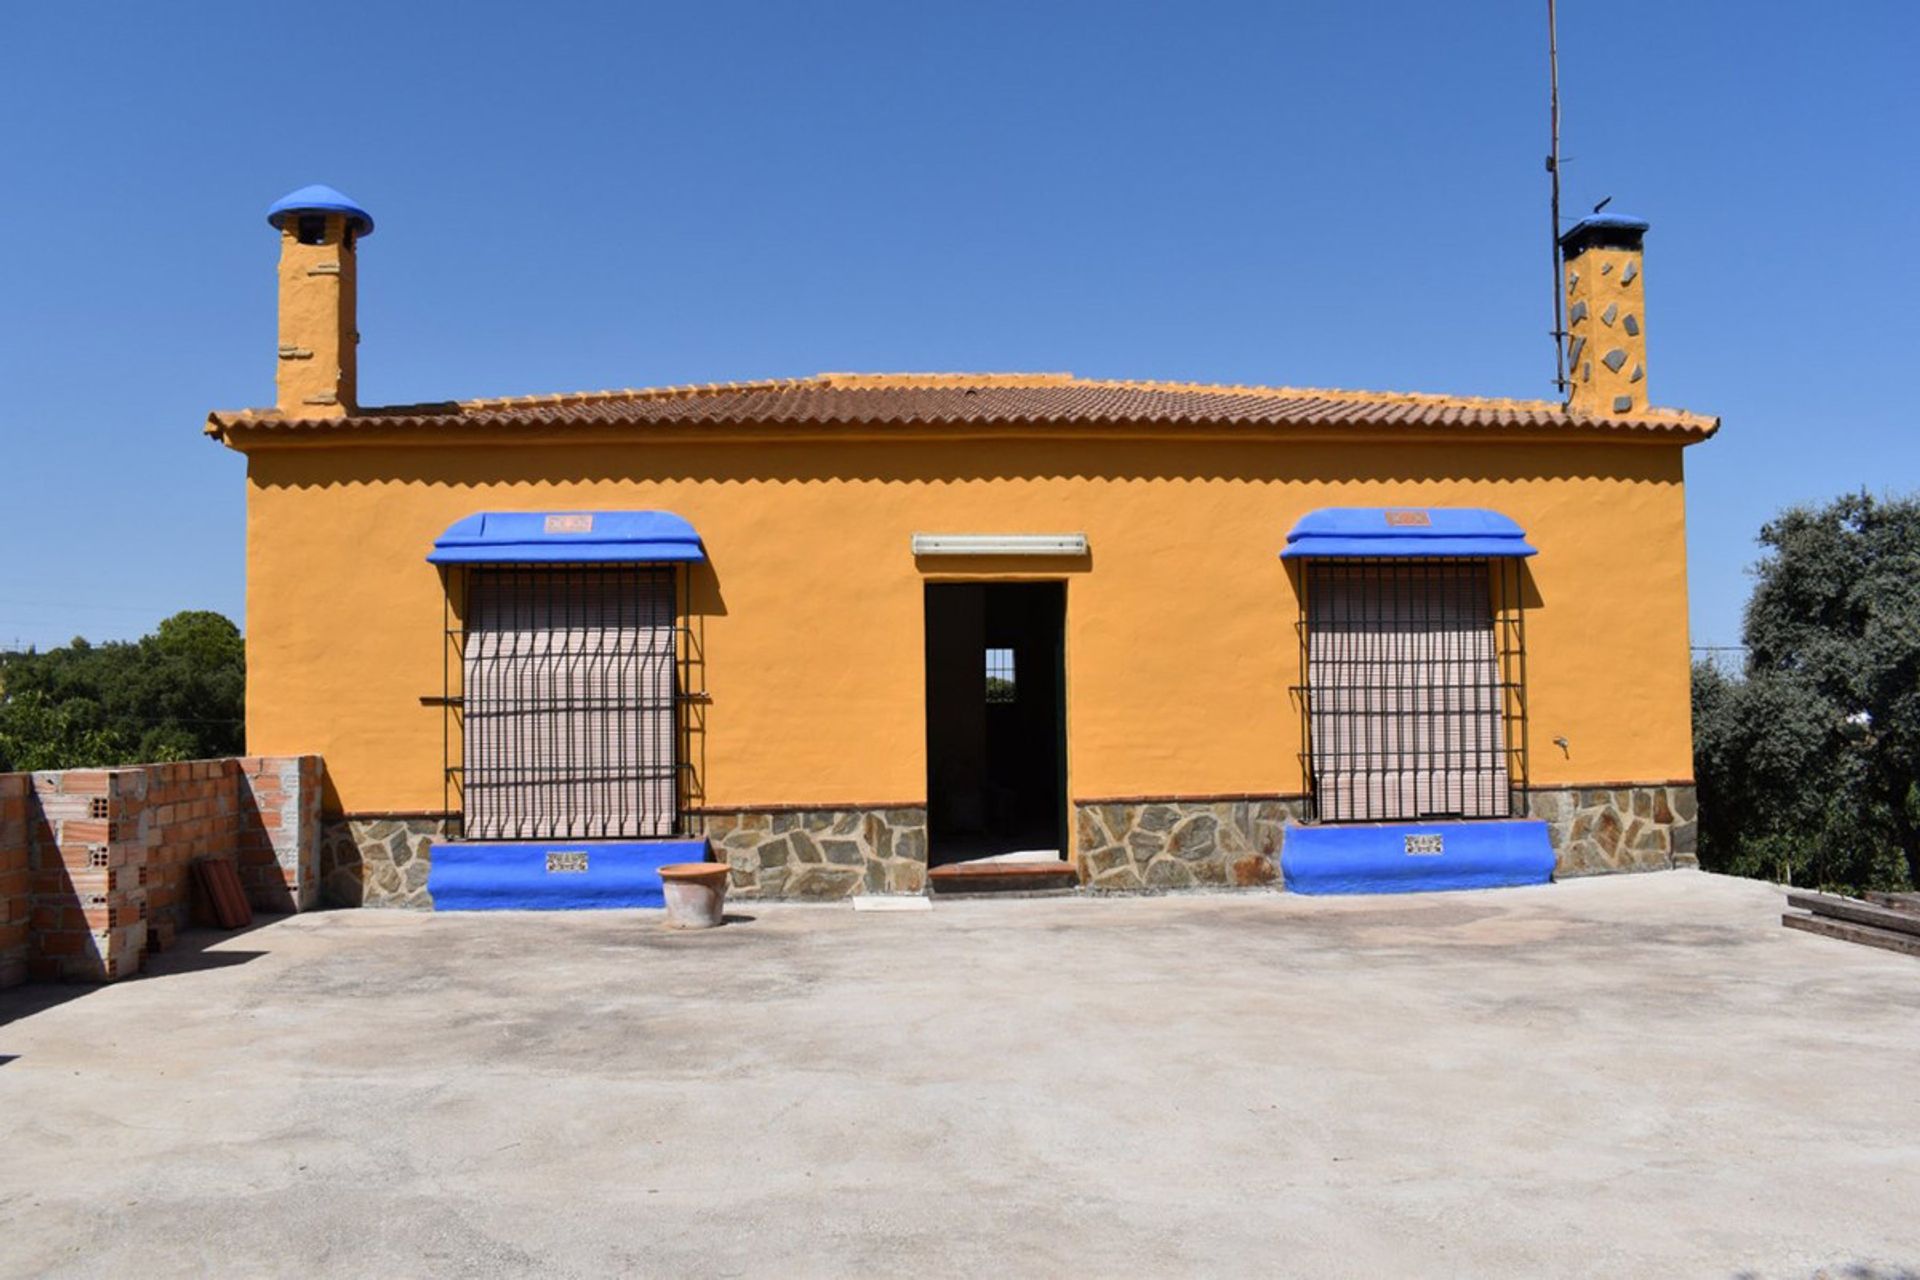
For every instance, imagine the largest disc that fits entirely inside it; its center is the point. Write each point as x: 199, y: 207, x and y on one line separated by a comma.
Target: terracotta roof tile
x: 964, y: 400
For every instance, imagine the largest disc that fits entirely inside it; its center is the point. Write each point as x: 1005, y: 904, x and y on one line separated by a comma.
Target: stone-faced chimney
x: 1606, y: 315
x: 318, y: 282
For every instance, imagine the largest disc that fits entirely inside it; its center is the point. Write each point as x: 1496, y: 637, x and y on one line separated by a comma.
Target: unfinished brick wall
x: 109, y: 853
x: 279, y: 842
x: 89, y: 905
x: 16, y: 896
x: 170, y: 815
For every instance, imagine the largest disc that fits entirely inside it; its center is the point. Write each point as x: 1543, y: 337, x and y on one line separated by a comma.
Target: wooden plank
x: 1865, y: 934
x: 1827, y: 904
x: 1898, y: 901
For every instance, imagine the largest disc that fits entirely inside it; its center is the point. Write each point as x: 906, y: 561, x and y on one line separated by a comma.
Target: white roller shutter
x: 1404, y: 692
x: 568, y: 702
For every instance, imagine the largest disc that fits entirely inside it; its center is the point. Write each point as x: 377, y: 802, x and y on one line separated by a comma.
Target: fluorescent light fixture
x: 999, y: 544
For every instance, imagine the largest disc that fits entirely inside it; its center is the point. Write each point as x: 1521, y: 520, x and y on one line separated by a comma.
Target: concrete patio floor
x: 1633, y: 1076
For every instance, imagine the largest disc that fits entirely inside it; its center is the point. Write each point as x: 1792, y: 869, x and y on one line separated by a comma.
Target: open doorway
x: 996, y: 721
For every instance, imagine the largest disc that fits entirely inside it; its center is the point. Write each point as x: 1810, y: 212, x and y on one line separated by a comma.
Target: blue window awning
x: 572, y: 537
x: 1405, y: 531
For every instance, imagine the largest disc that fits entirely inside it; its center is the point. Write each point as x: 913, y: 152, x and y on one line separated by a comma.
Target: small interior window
x: 312, y: 228
x: 1000, y: 685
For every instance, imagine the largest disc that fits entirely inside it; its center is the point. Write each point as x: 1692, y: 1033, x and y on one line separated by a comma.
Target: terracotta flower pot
x: 696, y: 893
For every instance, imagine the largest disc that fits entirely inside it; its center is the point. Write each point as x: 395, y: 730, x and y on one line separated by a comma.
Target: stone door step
x: 1003, y: 877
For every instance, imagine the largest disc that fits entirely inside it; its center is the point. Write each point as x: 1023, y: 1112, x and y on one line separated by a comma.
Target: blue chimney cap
x: 319, y: 198
x: 1604, y: 231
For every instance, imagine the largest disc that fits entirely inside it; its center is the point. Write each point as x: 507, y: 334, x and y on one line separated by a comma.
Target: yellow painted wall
x: 1180, y: 626
x: 1606, y: 314
x: 319, y: 343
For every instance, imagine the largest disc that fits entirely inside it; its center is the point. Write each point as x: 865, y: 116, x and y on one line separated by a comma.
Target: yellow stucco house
x: 857, y: 628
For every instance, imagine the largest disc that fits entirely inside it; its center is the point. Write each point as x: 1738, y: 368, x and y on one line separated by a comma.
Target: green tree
x: 1809, y: 763
x: 177, y: 694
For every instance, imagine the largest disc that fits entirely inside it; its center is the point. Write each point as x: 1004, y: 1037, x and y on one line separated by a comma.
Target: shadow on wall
x: 96, y: 865
x: 379, y: 860
x: 1530, y: 598
x: 929, y: 459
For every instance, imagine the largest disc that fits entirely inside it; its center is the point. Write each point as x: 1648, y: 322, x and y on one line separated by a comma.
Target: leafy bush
x: 1808, y: 763
x: 177, y: 694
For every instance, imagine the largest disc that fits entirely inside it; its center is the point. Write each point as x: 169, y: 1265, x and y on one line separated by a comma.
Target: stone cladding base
x: 1128, y: 845
x: 819, y: 853
x: 1637, y: 827
x: 1172, y: 843
x: 379, y: 860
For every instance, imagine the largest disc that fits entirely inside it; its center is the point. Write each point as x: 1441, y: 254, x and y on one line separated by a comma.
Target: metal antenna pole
x: 1553, y: 172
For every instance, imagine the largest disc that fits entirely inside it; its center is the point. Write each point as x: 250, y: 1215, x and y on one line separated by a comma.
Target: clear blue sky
x: 580, y: 196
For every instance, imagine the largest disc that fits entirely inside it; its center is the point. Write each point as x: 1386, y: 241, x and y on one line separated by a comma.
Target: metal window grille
x: 1000, y: 685
x: 1414, y: 702
x: 568, y: 703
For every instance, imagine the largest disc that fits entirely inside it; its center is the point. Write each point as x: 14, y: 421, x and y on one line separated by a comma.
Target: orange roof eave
x: 960, y: 403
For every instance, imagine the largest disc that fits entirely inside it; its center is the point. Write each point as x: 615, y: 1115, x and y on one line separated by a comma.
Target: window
x: 568, y: 705
x: 1000, y: 684
x: 1413, y: 703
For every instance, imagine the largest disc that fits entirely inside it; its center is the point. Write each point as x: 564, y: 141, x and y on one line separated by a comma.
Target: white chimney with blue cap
x: 318, y: 375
